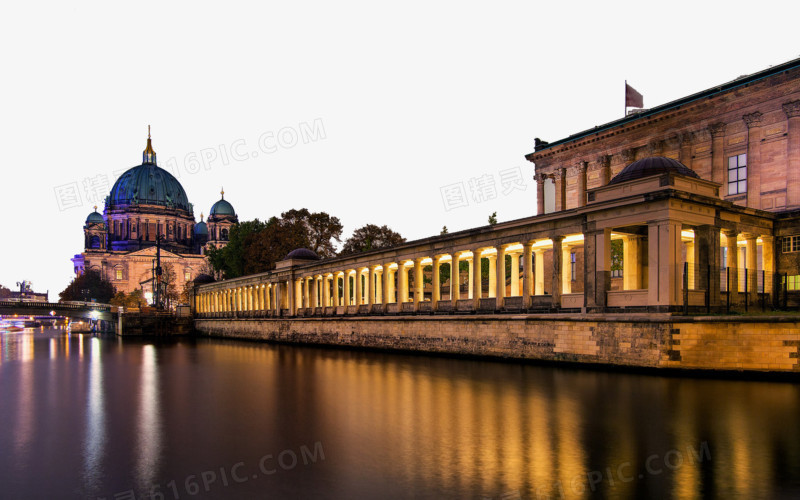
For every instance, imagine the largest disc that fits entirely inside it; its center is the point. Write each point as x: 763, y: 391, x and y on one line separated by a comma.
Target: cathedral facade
x: 147, y: 205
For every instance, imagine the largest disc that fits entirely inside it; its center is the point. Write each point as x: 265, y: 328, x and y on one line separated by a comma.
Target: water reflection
x: 148, y: 433
x: 95, y: 434
x: 391, y: 426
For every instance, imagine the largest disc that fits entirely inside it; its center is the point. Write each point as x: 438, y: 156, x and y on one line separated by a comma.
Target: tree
x: 229, y: 261
x: 170, y: 280
x: 493, y: 219
x: 270, y: 245
x: 444, y: 230
x: 371, y: 237
x: 4, y: 292
x: 87, y: 286
x: 320, y: 227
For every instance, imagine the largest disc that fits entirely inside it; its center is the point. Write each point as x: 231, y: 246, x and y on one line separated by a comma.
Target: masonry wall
x: 710, y: 344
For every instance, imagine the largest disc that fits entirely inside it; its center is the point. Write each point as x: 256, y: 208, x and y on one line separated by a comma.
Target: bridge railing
x: 50, y: 306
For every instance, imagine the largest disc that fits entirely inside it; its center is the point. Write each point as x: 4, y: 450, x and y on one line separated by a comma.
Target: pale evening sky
x: 395, y: 101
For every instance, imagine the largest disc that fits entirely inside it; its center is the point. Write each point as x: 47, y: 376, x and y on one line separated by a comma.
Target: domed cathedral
x: 146, y: 203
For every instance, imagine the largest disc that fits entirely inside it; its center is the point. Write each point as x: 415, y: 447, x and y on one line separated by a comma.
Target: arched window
x: 224, y: 235
x: 94, y: 241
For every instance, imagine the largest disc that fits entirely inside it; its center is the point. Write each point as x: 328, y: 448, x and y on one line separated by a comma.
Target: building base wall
x: 649, y: 341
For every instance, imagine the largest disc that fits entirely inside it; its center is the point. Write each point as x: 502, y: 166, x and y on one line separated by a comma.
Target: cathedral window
x: 118, y: 274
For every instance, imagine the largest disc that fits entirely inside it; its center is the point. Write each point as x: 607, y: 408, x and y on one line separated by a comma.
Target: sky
x: 415, y: 115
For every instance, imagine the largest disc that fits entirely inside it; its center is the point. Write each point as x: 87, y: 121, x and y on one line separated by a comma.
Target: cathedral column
x: 492, y: 274
x: 718, y: 170
x: 476, y: 282
x: 753, y: 122
x: 419, y: 295
x: 501, y: 276
x: 792, y: 110
x: 437, y: 285
x: 347, y: 287
x: 538, y: 285
x: 527, y: 274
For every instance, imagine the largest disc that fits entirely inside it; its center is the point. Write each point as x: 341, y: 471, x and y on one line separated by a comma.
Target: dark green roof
x: 222, y: 207
x: 148, y: 184
x: 201, y: 229
x: 95, y: 218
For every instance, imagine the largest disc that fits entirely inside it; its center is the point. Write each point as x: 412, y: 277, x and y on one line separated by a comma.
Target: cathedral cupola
x: 149, y: 154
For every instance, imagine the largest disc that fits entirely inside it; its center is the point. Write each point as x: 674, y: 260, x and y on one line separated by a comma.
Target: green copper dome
x: 222, y: 207
x: 148, y: 184
x: 95, y: 218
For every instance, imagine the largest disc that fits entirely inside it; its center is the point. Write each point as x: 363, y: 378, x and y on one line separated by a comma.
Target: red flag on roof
x: 633, y: 98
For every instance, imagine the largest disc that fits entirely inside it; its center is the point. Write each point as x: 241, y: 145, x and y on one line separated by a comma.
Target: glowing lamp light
x: 52, y: 313
x: 94, y: 315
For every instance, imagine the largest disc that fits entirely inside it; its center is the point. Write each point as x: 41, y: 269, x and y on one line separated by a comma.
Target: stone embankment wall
x: 654, y: 341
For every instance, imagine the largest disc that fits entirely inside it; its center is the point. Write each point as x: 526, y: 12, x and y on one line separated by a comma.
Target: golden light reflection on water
x: 95, y: 434
x: 148, y: 445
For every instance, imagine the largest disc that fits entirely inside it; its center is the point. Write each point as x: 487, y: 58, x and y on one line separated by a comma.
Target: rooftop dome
x: 204, y: 278
x: 653, y: 165
x: 148, y: 184
x: 222, y: 207
x: 95, y: 218
x: 302, y: 253
x: 201, y: 229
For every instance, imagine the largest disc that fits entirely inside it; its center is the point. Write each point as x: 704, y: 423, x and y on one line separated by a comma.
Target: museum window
x: 737, y: 174
x: 572, y: 266
x: 187, y: 276
x: 118, y: 274
x: 790, y: 244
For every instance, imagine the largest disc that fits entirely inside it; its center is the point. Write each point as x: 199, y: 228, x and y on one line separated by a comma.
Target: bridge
x: 85, y: 310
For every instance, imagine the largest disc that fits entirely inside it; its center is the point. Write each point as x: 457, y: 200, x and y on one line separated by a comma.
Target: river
x: 89, y: 417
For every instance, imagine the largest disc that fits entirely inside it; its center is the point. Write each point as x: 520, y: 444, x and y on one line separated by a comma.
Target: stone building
x: 689, y: 206
x: 147, y: 202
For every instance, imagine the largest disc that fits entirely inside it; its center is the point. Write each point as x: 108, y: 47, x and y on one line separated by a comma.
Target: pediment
x: 151, y: 252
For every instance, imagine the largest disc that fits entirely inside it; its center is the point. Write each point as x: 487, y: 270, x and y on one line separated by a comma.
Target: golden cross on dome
x: 222, y: 193
x: 148, y: 131
x: 95, y: 208
x: 201, y: 216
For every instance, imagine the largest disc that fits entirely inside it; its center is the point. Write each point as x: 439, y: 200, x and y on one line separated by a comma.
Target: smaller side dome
x: 201, y: 229
x: 95, y: 217
x: 652, y: 165
x: 302, y: 254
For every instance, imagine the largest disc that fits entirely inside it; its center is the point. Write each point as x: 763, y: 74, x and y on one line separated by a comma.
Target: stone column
x: 437, y: 284
x: 556, y: 292
x: 768, y: 264
x: 391, y: 278
x: 664, y: 264
x: 527, y: 274
x: 538, y: 285
x: 539, y: 193
x: 471, y: 261
x: 732, y: 265
x: 290, y: 298
x: 718, y: 167
x: 326, y: 292
x: 336, y: 301
x: 751, y: 257
x: 401, y: 268
x: 792, y: 110
x: 347, y: 287
x: 707, y: 251
x: 604, y: 162
x: 691, y: 268
x: 492, y: 275
x: 566, y: 268
x: 631, y: 267
x: 306, y: 293
x: 514, y: 275
x: 561, y: 189
x: 379, y: 286
x: 753, y: 122
x: 419, y: 295
x: 454, y: 292
x: 359, y: 286
x: 501, y: 276
x: 582, y: 168
x: 475, y: 283
x: 371, y: 285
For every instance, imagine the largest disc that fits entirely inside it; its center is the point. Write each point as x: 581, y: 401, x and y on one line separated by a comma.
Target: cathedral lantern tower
x: 95, y: 231
x: 220, y: 220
